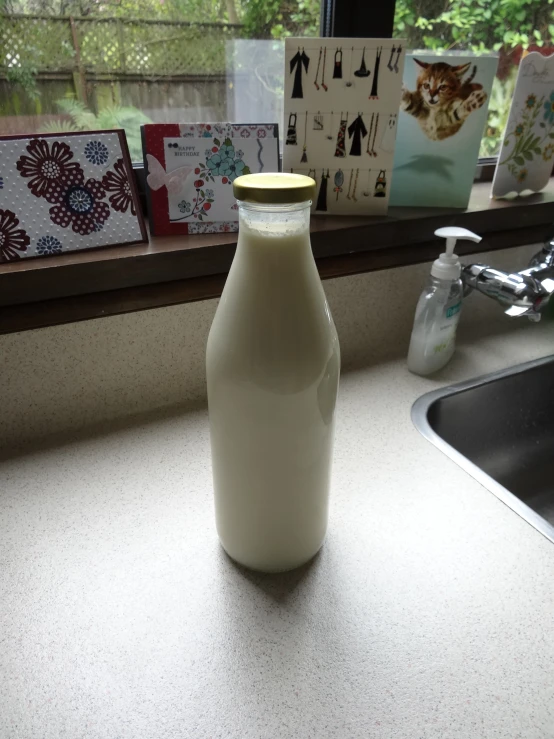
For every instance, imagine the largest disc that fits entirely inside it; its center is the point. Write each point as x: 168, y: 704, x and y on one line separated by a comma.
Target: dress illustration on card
x: 322, y: 195
x: 340, y: 121
x: 340, y: 150
x: 299, y: 61
x: 357, y: 131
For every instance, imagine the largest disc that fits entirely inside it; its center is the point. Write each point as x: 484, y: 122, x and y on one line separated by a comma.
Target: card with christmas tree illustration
x: 341, y: 107
x: 190, y: 170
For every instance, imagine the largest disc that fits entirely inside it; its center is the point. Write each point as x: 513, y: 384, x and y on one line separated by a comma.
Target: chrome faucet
x: 526, y: 293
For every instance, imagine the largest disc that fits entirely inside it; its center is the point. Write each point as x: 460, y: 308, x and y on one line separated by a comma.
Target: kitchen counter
x: 427, y: 614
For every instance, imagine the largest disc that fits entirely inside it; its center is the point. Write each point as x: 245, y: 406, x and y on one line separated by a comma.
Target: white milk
x: 273, y: 365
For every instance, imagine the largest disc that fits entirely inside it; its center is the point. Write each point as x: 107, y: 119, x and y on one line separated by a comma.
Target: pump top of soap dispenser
x: 447, y: 266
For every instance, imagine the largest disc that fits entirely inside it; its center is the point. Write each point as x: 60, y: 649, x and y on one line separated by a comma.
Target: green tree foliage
x: 261, y: 18
x: 115, y: 116
x: 278, y: 19
x: 199, y: 11
x: 478, y: 25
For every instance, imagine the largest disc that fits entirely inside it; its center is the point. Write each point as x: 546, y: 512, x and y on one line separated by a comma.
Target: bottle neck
x: 275, y: 240
x: 274, y: 220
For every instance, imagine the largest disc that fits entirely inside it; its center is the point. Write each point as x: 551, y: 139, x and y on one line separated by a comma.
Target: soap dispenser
x: 438, y: 310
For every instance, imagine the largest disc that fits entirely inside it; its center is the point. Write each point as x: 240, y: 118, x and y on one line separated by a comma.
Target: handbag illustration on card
x: 291, y: 131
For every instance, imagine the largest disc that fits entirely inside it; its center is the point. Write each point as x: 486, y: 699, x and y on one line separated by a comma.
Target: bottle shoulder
x: 442, y: 290
x: 436, y: 297
x: 435, y: 283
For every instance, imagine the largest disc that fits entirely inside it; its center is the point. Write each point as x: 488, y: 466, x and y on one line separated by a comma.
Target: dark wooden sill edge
x: 75, y: 287
x: 143, y: 297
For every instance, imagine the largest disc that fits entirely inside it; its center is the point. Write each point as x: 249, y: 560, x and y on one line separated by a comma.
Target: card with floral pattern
x: 190, y: 169
x: 527, y: 154
x: 61, y: 193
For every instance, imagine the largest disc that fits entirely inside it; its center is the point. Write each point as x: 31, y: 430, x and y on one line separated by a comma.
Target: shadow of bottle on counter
x: 279, y: 586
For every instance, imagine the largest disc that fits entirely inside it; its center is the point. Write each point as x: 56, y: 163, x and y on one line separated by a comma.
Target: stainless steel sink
x: 500, y: 428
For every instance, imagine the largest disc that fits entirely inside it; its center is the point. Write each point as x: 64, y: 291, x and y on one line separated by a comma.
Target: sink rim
x: 419, y: 414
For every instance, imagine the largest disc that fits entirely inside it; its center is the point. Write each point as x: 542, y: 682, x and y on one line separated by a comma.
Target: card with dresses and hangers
x: 341, y: 107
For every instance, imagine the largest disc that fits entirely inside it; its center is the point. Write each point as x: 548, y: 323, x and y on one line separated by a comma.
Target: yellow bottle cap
x: 274, y: 188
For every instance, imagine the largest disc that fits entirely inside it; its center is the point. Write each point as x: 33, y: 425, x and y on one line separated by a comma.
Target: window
x: 78, y: 64
x: 68, y: 65
x: 507, y: 27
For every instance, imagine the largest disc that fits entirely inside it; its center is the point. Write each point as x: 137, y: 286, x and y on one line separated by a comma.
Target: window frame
x: 357, y: 18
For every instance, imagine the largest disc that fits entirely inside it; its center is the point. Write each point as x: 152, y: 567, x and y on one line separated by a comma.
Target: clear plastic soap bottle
x: 438, y: 310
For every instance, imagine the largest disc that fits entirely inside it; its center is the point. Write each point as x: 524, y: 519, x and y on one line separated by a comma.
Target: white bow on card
x: 158, y: 177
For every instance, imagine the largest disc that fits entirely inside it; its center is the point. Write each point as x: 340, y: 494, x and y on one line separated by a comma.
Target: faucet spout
x: 518, y: 289
x: 525, y: 293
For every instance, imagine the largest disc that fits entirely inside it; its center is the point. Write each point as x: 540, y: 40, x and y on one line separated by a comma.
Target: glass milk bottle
x: 273, y: 365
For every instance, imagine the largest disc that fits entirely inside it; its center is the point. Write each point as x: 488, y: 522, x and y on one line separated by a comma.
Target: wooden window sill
x: 35, y: 293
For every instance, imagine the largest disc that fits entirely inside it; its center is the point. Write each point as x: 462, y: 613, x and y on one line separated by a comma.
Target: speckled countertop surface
x: 428, y: 613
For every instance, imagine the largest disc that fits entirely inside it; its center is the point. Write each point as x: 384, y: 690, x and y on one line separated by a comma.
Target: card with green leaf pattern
x: 527, y: 154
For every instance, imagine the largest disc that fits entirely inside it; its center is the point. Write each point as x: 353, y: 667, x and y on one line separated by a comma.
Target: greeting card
x: 191, y: 169
x: 69, y: 192
x: 341, y: 106
x: 527, y: 154
x: 442, y: 116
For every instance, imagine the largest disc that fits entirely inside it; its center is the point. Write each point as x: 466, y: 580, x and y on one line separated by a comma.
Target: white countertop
x: 428, y: 613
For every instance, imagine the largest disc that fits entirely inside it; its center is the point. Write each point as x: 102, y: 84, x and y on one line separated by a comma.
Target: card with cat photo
x: 527, y: 154
x: 341, y: 108
x: 443, y: 113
